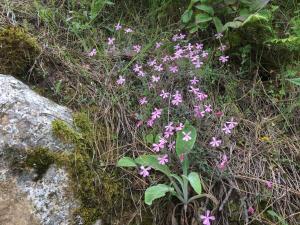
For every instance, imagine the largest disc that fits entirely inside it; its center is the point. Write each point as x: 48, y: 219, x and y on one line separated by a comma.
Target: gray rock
x: 25, y: 123
x: 25, y: 117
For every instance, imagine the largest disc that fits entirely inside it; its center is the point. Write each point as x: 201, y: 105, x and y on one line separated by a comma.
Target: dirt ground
x: 15, y: 209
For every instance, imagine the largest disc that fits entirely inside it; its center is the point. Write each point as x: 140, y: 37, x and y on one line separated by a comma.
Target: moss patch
x: 18, y: 50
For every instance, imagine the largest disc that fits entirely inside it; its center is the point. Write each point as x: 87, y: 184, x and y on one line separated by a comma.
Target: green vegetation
x: 258, y: 86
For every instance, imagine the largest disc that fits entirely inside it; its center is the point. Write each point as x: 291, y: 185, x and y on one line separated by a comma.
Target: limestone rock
x: 25, y: 123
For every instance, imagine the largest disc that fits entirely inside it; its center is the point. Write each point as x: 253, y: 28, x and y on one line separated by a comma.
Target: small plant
x: 223, y: 14
x: 179, y: 184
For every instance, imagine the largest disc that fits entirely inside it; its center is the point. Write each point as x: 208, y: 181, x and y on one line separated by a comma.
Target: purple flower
x: 204, y: 54
x: 158, y: 68
x: 187, y: 136
x: 92, y: 53
x: 145, y: 171
x: 218, y: 35
x: 141, y: 73
x: 143, y: 101
x: 158, y: 44
x: 168, y: 133
x: 223, y: 162
x: 137, y: 68
x: 164, y: 94
x: 215, y: 142
x: 269, y: 184
x: 121, y: 80
x: 177, y: 98
x: 173, y: 69
x: 194, y: 90
x: 223, y: 58
x: 155, y: 79
x: 150, y: 122
x: 166, y: 58
x: 171, y: 145
x: 226, y: 129
x: 163, y: 159
x: 180, y: 127
x: 194, y: 81
x: 111, y: 41
x: 170, y: 127
x: 207, y: 218
x: 199, y: 46
x: 128, y: 30
x: 201, y: 96
x: 250, y: 211
x: 118, y: 26
x: 222, y: 48
x: 151, y: 62
x: 198, y: 112
x: 207, y: 108
x: 231, y: 124
x: 156, y: 113
x: 137, y: 48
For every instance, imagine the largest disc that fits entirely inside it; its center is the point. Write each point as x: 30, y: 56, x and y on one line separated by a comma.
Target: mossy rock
x: 18, y: 51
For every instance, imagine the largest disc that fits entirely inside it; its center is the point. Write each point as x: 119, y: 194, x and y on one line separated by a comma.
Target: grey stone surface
x: 25, y: 117
x: 25, y: 122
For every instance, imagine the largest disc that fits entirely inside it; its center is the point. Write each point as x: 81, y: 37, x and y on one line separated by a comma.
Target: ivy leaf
x: 295, y: 81
x: 194, y: 180
x: 183, y: 146
x: 202, y: 18
x: 206, y: 8
x: 149, y: 138
x: 218, y: 24
x: 187, y: 16
x: 151, y: 160
x: 155, y: 192
x: 126, y: 162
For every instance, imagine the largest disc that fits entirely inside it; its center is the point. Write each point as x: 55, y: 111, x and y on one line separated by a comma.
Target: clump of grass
x: 18, y: 51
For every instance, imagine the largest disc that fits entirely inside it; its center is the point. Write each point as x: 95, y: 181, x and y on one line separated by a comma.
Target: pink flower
x: 121, y: 80
x: 175, y: 37
x: 164, y: 94
x: 198, y: 112
x: 158, y: 44
x: 204, y: 54
x: 150, y: 122
x: 155, y: 79
x: 171, y: 146
x: 173, y: 69
x: 231, y: 124
x: 207, y: 108
x: 189, y: 47
x: 166, y: 58
x: 176, y: 47
x: 137, y: 48
x: 177, y: 98
x: 158, y: 68
x: 207, y: 218
x: 170, y: 127
x: 199, y: 46
x: 194, y: 81
x: 226, y: 129
x: 156, y: 147
x: 137, y: 68
x: 223, y: 163
x: 215, y: 142
x: 269, y: 184
x: 156, y: 113
x: 139, y: 123
x: 222, y: 48
x: 145, y: 171
x: 201, y: 96
x: 141, y: 73
x: 151, y: 62
x: 181, y: 157
x: 194, y: 90
x: 251, y: 211
x: 111, y: 41
x: 218, y: 35
x: 92, y: 53
x: 180, y: 127
x: 168, y: 134
x: 219, y: 114
x: 223, y: 58
x: 178, y: 53
x: 181, y: 36
x: 143, y: 101
x: 197, y: 64
x: 128, y: 30
x: 118, y: 26
x: 163, y: 159
x: 187, y: 136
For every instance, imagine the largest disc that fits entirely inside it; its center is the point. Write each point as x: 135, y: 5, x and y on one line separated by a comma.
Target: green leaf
x: 206, y: 8
x: 155, y: 192
x: 158, y: 137
x: 233, y: 24
x: 278, y: 217
x: 126, y: 162
x: 185, y: 146
x: 258, y: 4
x: 187, y: 16
x: 202, y: 18
x: 151, y: 160
x: 295, y: 81
x: 178, y: 178
x: 195, y: 182
x: 218, y: 24
x: 149, y: 138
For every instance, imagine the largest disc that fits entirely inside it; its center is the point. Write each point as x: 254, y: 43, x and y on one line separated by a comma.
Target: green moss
x: 18, y: 50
